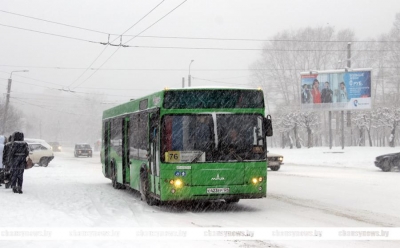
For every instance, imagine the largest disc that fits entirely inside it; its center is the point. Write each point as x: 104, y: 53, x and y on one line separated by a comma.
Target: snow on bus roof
x: 216, y: 88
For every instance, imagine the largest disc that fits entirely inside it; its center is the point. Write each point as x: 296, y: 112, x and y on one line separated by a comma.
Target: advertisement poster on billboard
x: 336, y: 90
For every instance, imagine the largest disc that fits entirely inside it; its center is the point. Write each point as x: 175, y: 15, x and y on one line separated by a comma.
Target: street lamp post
x: 8, y: 100
x: 190, y: 77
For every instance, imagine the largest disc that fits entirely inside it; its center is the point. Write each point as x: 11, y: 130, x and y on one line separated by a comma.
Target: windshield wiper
x: 233, y: 152
x: 197, y: 157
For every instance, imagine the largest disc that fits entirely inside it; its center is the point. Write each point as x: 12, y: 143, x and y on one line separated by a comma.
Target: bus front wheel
x: 144, y: 188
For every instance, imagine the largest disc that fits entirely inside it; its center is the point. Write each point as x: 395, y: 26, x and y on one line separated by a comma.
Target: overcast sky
x: 135, y: 71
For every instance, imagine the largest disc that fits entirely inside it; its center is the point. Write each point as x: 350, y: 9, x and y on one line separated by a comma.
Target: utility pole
x: 8, y: 100
x: 348, y: 112
x: 6, y: 105
x: 330, y: 129
x: 183, y: 82
x: 189, y: 76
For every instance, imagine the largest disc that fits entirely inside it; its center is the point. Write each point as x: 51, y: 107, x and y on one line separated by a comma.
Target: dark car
x: 82, y: 150
x: 55, y: 146
x: 388, y: 161
x: 274, y: 161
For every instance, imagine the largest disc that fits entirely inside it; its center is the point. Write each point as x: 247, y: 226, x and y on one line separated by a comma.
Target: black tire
x: 275, y: 168
x: 230, y: 201
x: 386, y: 166
x: 44, y: 162
x: 144, y: 189
x: 115, y: 184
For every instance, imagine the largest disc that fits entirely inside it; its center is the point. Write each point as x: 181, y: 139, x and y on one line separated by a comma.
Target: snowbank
x: 359, y: 157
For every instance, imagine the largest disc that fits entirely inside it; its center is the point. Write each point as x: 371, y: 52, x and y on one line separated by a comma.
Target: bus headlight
x: 255, y: 180
x: 178, y: 183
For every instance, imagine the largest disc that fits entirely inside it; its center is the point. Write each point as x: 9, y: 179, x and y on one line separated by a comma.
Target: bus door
x: 106, y: 138
x: 154, y: 162
x: 125, y: 151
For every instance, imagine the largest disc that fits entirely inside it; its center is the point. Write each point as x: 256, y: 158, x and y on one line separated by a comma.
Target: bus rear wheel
x: 115, y: 184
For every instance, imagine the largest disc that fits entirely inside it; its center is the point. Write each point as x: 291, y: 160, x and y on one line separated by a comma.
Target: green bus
x: 188, y: 144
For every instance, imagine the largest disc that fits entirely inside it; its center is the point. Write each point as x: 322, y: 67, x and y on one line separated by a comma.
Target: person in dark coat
x: 3, y: 140
x: 6, y: 171
x: 17, y: 161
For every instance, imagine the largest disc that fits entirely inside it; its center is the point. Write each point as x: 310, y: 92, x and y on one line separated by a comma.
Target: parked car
x: 39, y: 141
x: 55, y: 146
x: 274, y: 161
x: 388, y: 162
x: 82, y: 149
x: 40, y: 154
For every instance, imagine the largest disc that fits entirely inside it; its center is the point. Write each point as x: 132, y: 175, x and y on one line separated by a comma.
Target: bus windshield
x: 196, y: 138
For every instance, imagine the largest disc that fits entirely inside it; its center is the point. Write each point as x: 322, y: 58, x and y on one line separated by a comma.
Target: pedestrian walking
x: 2, y: 143
x: 17, y: 161
x: 5, y: 161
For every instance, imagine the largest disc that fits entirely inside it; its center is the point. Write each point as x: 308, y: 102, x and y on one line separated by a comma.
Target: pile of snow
x: 359, y: 157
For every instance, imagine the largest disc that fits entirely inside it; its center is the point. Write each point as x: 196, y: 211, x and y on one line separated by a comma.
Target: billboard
x: 336, y: 89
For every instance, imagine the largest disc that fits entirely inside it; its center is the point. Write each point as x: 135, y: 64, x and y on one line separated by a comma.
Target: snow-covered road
x: 72, y: 192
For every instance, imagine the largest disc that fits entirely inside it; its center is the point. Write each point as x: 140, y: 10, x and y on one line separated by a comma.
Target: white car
x: 38, y: 141
x: 274, y: 161
x: 40, y: 154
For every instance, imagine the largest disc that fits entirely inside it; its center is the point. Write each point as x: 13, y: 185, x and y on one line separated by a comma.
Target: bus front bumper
x: 248, y: 191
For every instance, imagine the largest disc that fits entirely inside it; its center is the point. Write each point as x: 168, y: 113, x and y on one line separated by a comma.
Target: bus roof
x: 156, y: 99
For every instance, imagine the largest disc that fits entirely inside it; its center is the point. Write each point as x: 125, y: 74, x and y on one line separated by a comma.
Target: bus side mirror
x: 268, y: 126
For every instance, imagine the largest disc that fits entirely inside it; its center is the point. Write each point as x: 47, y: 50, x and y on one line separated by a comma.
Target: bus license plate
x: 217, y: 190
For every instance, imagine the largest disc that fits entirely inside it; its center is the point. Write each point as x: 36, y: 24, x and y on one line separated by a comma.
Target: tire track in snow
x: 357, y: 215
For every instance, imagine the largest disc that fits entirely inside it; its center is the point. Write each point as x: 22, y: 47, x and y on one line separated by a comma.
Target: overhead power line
x: 77, y: 92
x: 58, y: 23
x: 259, y: 40
x: 257, y: 49
x: 54, y: 110
x: 190, y: 38
x: 214, y: 81
x: 155, y: 69
x: 58, y: 35
x: 115, y: 51
x: 134, y: 38
x: 186, y: 48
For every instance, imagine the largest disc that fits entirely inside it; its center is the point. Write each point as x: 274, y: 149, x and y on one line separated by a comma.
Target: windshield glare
x: 212, y: 138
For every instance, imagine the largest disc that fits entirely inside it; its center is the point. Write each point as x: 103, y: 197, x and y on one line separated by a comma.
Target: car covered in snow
x: 40, y: 154
x: 388, y: 162
x: 274, y: 161
x: 82, y: 149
